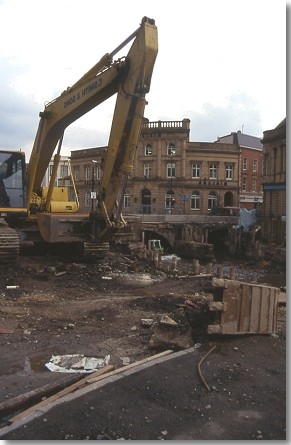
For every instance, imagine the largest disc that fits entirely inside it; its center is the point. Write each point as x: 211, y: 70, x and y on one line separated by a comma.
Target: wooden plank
x: 94, y: 377
x: 255, y: 309
x: 282, y: 298
x: 132, y: 365
x: 59, y: 394
x: 245, y: 310
x: 272, y: 307
x: 36, y: 394
x: 275, y: 311
x: 229, y: 319
x: 264, y: 310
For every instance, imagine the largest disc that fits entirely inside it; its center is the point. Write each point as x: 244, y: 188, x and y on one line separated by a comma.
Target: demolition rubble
x: 127, y: 308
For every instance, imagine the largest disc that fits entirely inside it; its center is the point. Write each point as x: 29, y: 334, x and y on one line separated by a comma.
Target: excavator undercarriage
x: 9, y: 243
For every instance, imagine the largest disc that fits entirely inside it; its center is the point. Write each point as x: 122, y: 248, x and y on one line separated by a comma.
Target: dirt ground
x: 52, y: 306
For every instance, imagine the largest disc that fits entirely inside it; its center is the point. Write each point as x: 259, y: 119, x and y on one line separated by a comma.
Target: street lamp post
x: 171, y: 184
x: 93, y: 192
x: 171, y: 187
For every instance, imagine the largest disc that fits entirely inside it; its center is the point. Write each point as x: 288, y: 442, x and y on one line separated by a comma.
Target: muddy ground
x: 52, y: 306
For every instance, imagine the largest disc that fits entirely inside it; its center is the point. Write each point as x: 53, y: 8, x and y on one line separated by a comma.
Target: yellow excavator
x: 30, y: 213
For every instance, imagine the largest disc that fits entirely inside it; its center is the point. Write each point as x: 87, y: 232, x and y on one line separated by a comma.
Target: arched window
x: 228, y: 199
x: 195, y: 201
x: 146, y: 200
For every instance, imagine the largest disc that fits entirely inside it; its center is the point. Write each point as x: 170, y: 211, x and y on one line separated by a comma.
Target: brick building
x: 250, y: 168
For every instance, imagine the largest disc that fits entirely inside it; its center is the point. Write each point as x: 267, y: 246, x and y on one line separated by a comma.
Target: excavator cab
x: 12, y: 180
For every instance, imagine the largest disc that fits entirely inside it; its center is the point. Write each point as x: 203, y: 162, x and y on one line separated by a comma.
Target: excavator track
x: 94, y: 250
x: 9, y: 244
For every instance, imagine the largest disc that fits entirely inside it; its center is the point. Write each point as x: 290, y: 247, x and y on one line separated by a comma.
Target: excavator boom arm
x: 130, y: 78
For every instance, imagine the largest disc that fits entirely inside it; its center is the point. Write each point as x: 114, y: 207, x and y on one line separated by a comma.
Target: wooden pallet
x: 244, y: 308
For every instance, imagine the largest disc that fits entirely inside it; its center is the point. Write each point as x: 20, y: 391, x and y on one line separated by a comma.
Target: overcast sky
x: 221, y: 63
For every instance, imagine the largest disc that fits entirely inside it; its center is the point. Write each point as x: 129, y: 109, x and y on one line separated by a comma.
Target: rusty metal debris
x: 199, y: 367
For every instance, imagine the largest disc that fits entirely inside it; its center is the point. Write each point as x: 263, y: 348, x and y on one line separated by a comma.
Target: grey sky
x: 220, y: 64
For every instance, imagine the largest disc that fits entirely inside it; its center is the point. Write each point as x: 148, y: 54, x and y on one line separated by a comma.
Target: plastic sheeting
x: 246, y: 218
x: 76, y: 363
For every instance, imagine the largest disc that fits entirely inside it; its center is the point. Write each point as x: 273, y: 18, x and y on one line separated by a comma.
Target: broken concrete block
x: 217, y: 306
x: 222, y: 282
x: 170, y: 339
x: 147, y: 321
x: 168, y: 321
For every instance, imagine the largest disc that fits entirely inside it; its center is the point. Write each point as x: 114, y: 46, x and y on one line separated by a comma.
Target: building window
x: 229, y: 172
x: 87, y: 199
x: 87, y: 173
x: 148, y: 150
x: 98, y: 172
x: 171, y: 149
x: 255, y: 165
x: 196, y: 171
x: 76, y: 173
x: 64, y: 170
x: 244, y: 183
x: 254, y: 185
x: 245, y: 163
x: 213, y: 171
x: 126, y: 200
x: 169, y: 200
x: 147, y: 170
x: 171, y: 170
x: 195, y: 201
x: 212, y: 200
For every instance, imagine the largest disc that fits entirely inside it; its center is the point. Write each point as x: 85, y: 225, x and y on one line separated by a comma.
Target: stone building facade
x: 274, y: 185
x: 62, y: 175
x: 171, y: 175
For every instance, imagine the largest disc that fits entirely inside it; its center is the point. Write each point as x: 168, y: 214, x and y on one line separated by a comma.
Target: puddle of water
x: 30, y: 364
x: 36, y: 363
x: 27, y: 367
